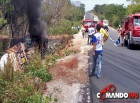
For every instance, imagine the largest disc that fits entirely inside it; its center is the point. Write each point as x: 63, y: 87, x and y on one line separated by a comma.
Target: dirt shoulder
x: 70, y: 75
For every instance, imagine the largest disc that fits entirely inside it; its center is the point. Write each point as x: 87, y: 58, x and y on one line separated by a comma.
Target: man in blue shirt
x: 97, y: 51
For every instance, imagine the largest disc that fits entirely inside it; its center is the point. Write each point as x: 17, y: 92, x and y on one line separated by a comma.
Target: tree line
x: 116, y: 13
x: 54, y: 13
x: 61, y: 15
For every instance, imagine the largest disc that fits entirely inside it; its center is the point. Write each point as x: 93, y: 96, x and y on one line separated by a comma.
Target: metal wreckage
x: 21, y: 51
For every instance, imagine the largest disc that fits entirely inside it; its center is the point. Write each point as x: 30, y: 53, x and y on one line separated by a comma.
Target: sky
x: 89, y: 4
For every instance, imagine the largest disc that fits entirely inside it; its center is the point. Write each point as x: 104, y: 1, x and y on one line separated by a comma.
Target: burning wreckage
x: 20, y: 52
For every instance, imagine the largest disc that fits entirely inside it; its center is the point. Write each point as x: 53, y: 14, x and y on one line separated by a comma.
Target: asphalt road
x: 89, y: 15
x: 120, y: 67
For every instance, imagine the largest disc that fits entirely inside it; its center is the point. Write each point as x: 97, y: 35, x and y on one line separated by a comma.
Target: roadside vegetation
x: 27, y: 85
x: 116, y: 13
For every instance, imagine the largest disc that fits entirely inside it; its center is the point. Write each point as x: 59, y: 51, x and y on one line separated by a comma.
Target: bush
x: 19, y: 91
x: 74, y: 31
x: 16, y: 91
x: 41, y: 73
x: 102, y: 17
x: 15, y: 87
x: 22, y: 86
x: 65, y: 27
x: 116, y: 23
x: 36, y: 68
x: 34, y: 62
x: 2, y: 21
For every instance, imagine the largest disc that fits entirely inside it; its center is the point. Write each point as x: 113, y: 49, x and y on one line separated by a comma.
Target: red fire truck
x: 86, y: 23
x: 132, y: 30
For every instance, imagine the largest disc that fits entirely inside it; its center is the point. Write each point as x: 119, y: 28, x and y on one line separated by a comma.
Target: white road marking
x: 111, y: 39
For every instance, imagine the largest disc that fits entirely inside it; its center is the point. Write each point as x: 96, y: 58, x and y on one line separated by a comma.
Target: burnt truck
x: 132, y: 30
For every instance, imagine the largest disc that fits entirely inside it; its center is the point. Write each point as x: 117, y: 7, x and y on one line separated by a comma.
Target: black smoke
x: 32, y: 9
x: 36, y: 26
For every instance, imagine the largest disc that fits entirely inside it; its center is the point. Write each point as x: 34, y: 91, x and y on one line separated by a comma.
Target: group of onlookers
x: 97, y: 35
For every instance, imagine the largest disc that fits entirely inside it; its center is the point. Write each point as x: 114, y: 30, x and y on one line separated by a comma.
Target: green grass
x: 20, y: 87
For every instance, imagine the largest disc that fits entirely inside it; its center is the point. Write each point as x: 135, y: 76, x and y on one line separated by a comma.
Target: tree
x: 135, y: 1
x: 113, y: 13
x: 56, y: 10
x: 134, y: 7
x: 5, y: 9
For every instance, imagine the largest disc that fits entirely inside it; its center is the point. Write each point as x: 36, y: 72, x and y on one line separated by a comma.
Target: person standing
x: 97, y: 51
x: 78, y: 27
x: 106, y: 35
x: 83, y: 30
x: 102, y: 30
x: 119, y: 32
x: 91, y: 31
x: 121, y: 36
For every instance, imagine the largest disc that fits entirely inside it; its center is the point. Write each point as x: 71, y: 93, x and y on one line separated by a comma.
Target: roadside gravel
x: 70, y: 74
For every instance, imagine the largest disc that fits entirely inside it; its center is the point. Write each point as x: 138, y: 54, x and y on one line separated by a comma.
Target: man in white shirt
x: 91, y: 31
x: 97, y: 51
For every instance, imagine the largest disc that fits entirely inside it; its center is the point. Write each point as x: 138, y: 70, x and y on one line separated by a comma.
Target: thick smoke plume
x: 36, y: 26
x: 32, y: 9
